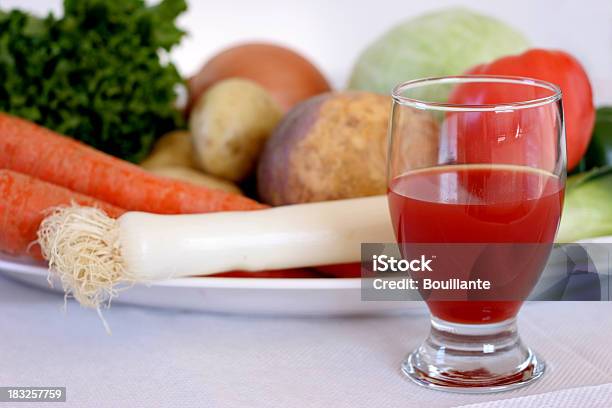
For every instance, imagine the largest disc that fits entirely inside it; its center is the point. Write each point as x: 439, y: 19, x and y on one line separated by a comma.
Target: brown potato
x: 195, y: 177
x: 172, y: 149
x: 230, y: 124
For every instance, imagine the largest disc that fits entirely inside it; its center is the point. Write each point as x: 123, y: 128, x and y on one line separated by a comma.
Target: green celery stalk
x: 587, y: 211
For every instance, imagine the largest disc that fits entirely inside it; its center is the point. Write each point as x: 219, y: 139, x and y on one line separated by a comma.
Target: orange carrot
x: 23, y: 201
x: 31, y: 149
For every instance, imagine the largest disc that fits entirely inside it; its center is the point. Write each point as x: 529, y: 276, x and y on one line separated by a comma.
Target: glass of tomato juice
x: 477, y: 160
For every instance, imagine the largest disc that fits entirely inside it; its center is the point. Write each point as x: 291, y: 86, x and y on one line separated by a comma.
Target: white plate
x: 264, y: 296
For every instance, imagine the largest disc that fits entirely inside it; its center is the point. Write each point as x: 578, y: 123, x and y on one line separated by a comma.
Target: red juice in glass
x: 476, y: 176
x: 480, y: 203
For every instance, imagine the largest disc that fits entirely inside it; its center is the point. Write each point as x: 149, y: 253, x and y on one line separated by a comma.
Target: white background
x: 333, y: 32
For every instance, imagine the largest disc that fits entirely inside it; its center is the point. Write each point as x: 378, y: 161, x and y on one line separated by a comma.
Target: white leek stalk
x: 92, y: 253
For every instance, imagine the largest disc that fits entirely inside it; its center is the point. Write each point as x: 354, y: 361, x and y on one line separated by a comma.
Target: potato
x: 334, y: 146
x: 173, y: 157
x: 229, y: 125
x: 172, y: 149
x: 195, y: 177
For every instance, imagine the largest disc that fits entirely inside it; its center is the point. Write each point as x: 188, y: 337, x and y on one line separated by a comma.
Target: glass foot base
x: 471, y: 358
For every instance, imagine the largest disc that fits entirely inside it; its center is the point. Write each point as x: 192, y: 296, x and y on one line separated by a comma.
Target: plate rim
x: 26, y: 266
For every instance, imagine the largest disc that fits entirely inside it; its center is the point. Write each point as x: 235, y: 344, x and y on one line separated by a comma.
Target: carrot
x: 31, y: 149
x: 23, y: 201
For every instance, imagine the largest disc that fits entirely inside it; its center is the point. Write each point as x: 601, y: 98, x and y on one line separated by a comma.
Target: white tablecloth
x: 168, y: 358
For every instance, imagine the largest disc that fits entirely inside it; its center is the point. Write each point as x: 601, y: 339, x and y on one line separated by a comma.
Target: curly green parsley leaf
x: 94, y: 74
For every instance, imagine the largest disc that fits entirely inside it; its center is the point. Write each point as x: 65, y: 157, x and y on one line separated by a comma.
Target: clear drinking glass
x: 477, y: 160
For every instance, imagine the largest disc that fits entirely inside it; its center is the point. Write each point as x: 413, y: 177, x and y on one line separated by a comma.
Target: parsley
x: 94, y: 74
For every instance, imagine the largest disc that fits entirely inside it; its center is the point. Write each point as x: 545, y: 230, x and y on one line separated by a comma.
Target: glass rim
x: 397, y: 91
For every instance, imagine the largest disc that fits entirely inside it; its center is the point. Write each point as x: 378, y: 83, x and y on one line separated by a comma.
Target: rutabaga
x: 94, y: 255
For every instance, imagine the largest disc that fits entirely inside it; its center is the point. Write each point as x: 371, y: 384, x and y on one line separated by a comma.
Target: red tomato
x: 523, y: 137
x: 281, y: 273
x: 352, y: 270
x: 558, y: 68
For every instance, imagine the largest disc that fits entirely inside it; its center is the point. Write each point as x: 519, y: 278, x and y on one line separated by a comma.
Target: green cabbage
x: 437, y: 44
